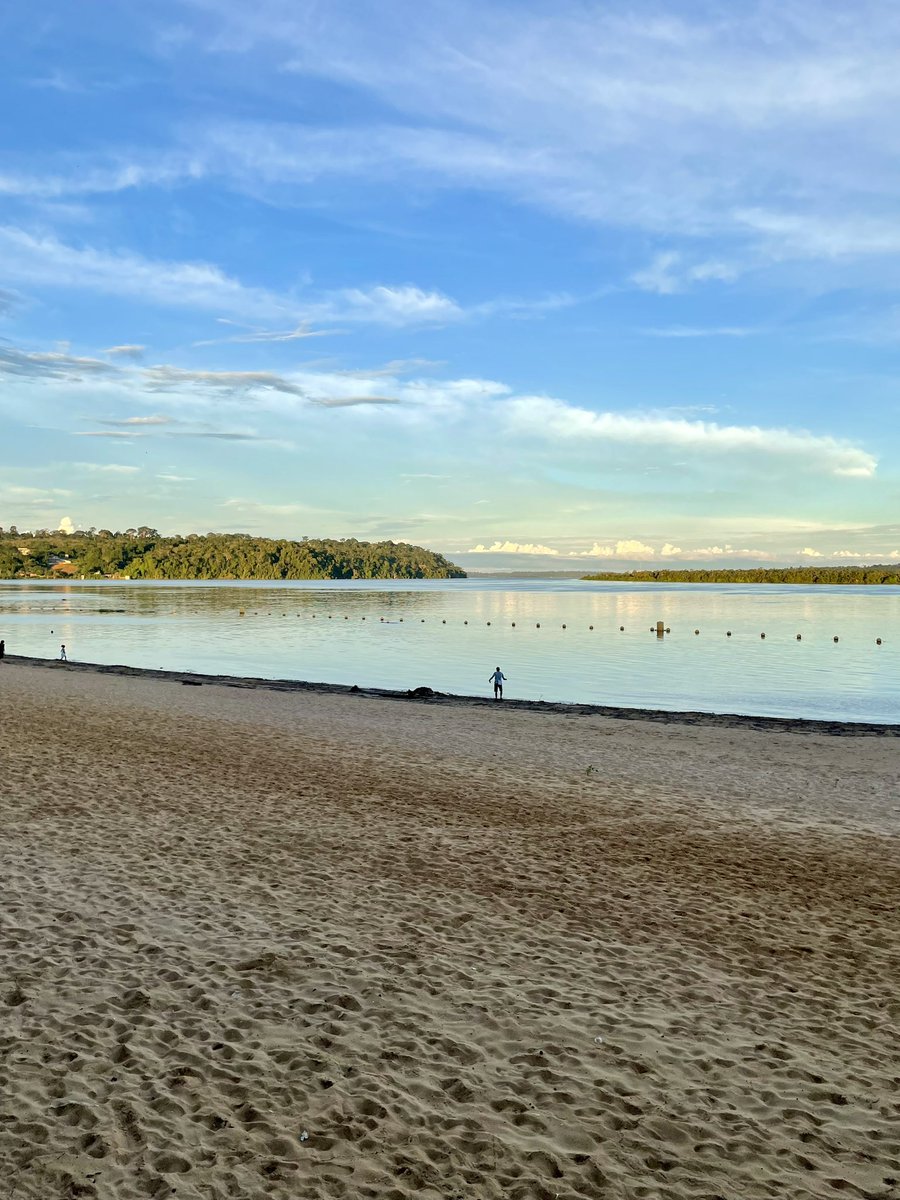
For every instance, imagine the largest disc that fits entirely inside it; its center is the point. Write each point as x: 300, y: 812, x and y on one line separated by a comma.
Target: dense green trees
x: 144, y: 554
x: 874, y: 574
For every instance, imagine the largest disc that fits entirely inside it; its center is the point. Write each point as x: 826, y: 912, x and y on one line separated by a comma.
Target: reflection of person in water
x: 497, y: 680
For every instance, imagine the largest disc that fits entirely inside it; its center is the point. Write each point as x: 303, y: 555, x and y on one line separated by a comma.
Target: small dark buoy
x: 621, y: 629
x: 513, y: 624
x: 668, y: 630
x: 837, y: 639
x: 696, y: 631
x: 762, y: 635
x: 590, y: 627
x: 465, y: 622
x: 728, y: 633
x: 538, y: 625
x: 488, y: 622
x: 443, y: 622
x: 346, y: 618
x: 563, y: 626
x: 878, y: 641
x: 329, y: 616
x: 401, y: 618
x: 799, y: 637
x: 381, y: 618
x: 364, y: 618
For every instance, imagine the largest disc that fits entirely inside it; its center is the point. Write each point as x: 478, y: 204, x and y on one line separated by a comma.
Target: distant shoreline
x: 876, y: 575
x: 793, y: 725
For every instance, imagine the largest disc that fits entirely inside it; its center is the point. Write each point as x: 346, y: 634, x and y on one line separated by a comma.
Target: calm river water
x: 450, y: 634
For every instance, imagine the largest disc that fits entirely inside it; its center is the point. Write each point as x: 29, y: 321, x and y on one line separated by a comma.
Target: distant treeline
x: 876, y: 574
x: 144, y: 554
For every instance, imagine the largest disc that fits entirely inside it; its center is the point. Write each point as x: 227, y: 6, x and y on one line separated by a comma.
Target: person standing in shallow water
x: 62, y: 654
x: 497, y: 680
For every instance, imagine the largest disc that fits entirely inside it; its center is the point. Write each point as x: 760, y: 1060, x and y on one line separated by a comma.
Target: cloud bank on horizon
x: 535, y: 285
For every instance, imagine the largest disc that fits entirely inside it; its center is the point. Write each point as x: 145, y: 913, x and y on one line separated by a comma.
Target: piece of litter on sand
x: 304, y: 1136
x: 598, y: 1041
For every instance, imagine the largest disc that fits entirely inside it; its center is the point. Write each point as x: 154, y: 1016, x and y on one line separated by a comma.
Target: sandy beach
x: 261, y: 942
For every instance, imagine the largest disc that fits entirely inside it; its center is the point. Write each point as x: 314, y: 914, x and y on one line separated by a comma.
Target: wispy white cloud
x: 406, y: 305
x: 138, y: 422
x: 669, y: 273
x: 105, y: 433
x: 133, y: 352
x: 698, y: 123
x: 698, y: 331
x: 513, y: 548
x: 44, y: 260
x: 550, y: 418
x: 299, y: 332
x: 703, y: 125
x: 108, y: 468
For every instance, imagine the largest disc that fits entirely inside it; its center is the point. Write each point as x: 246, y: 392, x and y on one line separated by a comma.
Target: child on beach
x: 497, y: 680
x: 62, y: 654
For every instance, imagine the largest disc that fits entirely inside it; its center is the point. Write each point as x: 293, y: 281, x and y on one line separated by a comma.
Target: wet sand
x: 261, y: 939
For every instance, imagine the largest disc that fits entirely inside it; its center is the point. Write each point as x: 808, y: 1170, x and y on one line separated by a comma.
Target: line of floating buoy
x: 659, y: 628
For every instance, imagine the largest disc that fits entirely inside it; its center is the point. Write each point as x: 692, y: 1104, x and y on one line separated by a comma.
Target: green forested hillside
x: 144, y: 554
x: 875, y: 574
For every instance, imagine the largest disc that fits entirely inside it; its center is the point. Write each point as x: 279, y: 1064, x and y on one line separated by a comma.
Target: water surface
x: 450, y: 634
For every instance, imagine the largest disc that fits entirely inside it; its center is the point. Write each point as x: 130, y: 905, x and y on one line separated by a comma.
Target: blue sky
x: 548, y: 285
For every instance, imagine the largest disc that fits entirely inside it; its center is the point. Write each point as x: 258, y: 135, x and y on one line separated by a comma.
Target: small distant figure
x: 62, y: 654
x: 497, y: 680
x: 2, y: 647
